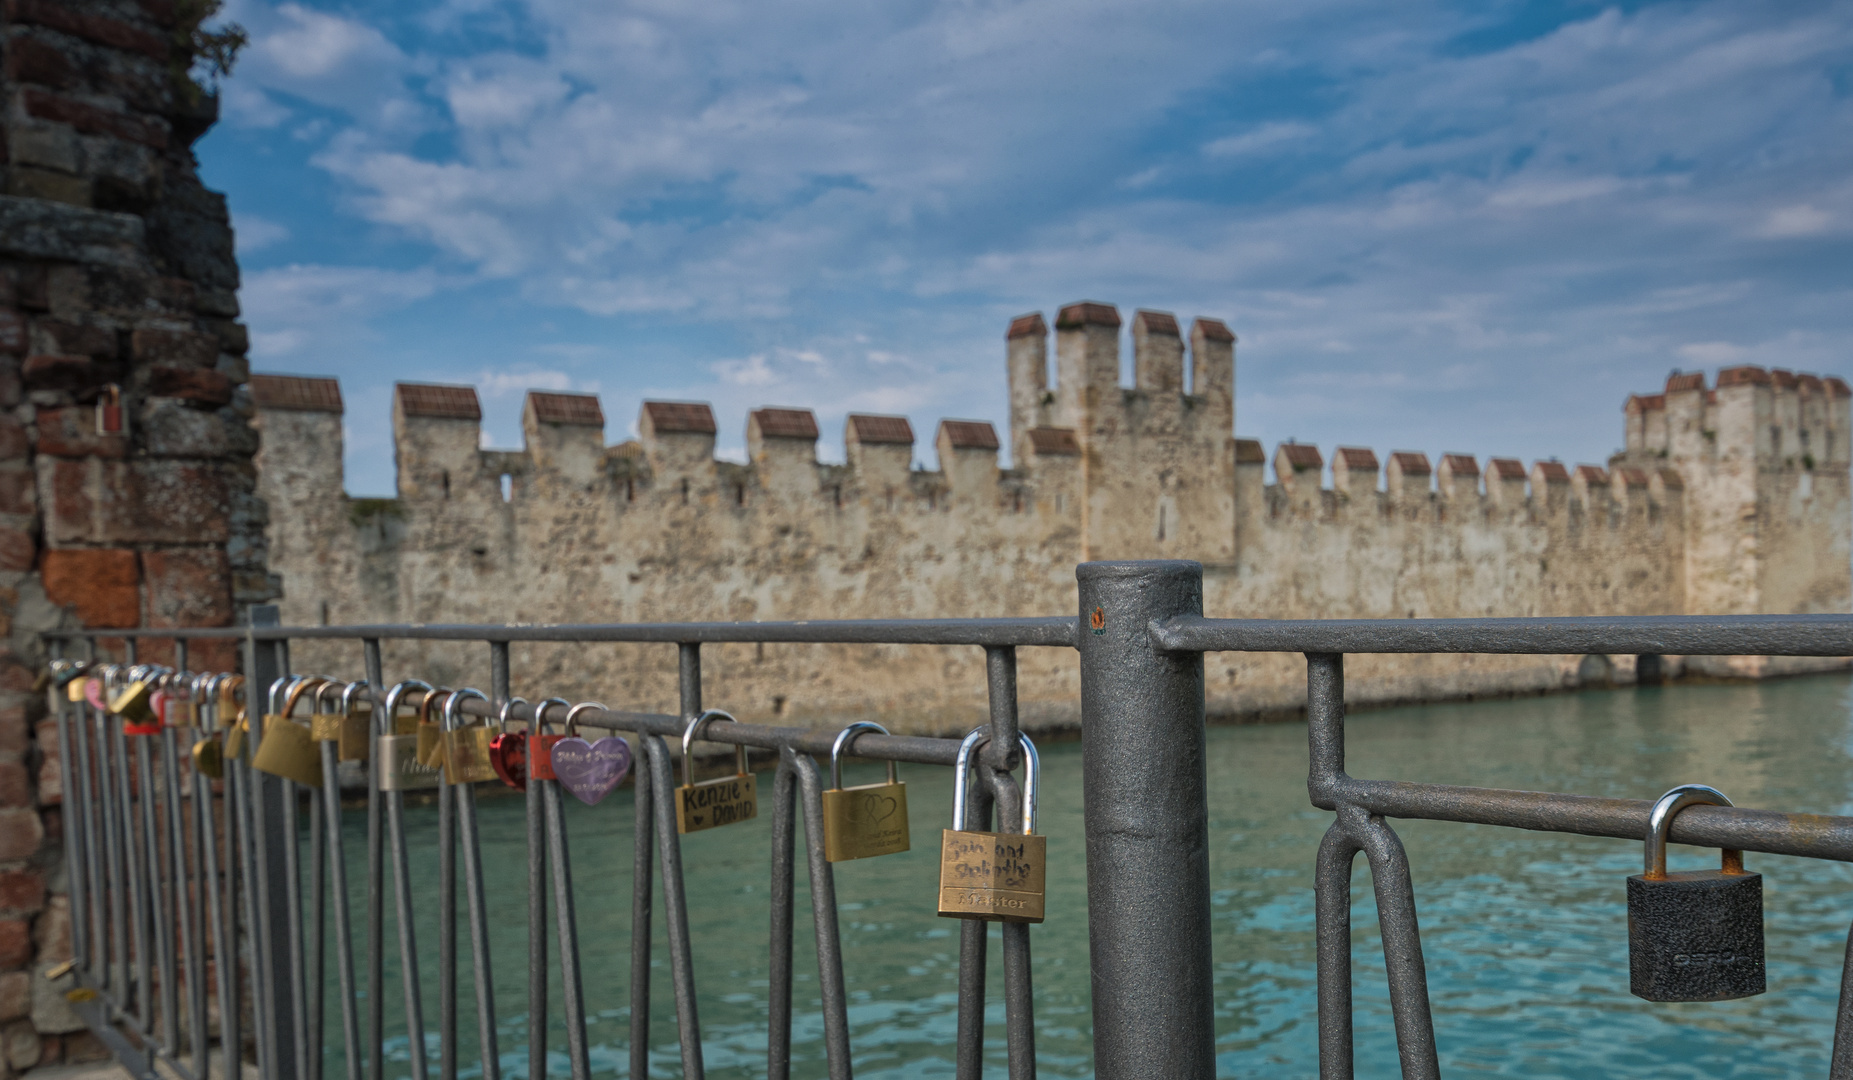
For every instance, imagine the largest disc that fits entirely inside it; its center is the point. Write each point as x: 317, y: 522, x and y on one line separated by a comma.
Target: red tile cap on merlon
x: 579, y: 410
x: 1356, y: 458
x: 1087, y: 313
x: 786, y: 423
x: 1553, y: 472
x: 1743, y: 375
x: 1213, y: 330
x: 1644, y: 403
x: 1030, y: 325
x: 969, y: 434
x: 1461, y: 464
x: 1838, y: 386
x: 680, y: 417
x: 1156, y: 322
x: 1592, y: 474
x: 1302, y: 456
x: 298, y: 393
x: 439, y: 402
x: 1059, y: 441
x: 1410, y: 463
x: 1688, y: 380
x: 1506, y: 468
x: 1249, y: 452
x: 886, y: 430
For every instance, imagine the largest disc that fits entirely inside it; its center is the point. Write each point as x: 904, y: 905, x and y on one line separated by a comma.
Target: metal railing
x: 183, y: 887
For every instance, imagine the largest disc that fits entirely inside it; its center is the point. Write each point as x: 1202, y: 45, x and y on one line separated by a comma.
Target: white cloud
x: 1265, y: 137
x: 1794, y: 221
x: 256, y: 233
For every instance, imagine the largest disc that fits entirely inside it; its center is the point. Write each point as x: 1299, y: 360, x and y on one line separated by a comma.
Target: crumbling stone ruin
x: 1729, y: 498
x: 127, y: 493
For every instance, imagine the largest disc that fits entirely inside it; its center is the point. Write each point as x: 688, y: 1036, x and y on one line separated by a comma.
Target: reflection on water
x: 1525, y: 933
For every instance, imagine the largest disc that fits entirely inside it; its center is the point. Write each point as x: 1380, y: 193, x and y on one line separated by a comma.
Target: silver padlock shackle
x: 539, y: 726
x: 688, y: 737
x: 385, y: 724
x: 572, y: 716
x: 348, y: 694
x: 453, y: 707
x: 1660, y: 823
x: 843, y: 739
x: 501, y: 717
x: 961, y: 772
x: 321, y: 693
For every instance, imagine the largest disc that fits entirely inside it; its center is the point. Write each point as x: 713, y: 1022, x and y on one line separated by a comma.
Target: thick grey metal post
x: 267, y: 661
x: 1148, y: 889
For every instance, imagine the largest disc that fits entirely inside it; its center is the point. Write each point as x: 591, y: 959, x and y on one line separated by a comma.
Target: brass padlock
x: 324, y: 722
x: 286, y: 749
x: 997, y: 877
x: 179, y: 706
x: 238, y: 735
x: 399, y: 767
x: 866, y: 820
x: 431, y: 732
x: 132, y: 704
x: 711, y: 803
x: 1695, y: 935
x: 356, y: 739
x: 466, y: 748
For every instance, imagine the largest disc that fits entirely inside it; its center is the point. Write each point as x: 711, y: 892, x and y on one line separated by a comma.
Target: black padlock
x: 1695, y: 935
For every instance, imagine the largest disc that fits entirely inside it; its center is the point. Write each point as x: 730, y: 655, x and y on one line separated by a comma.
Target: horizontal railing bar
x: 1052, y: 631
x: 923, y: 751
x: 1666, y: 635
x: 1815, y: 836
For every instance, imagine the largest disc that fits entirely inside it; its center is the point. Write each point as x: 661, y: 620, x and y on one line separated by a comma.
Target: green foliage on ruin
x: 215, y: 50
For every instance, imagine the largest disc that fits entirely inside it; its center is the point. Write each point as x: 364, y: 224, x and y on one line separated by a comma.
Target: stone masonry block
x: 194, y: 384
x: 22, y: 892
x: 185, y: 348
x: 15, y: 995
x: 18, y: 490
x: 12, y: 331
x: 13, y: 732
x: 32, y: 59
x: 99, y: 29
x: 58, y: 372
x: 102, y: 584
x: 91, y: 120
x: 17, y: 550
x: 15, y: 943
x: 21, y: 1041
x: 20, y: 834
x: 51, y: 1010
x: 188, y: 587
x: 71, y: 431
x: 52, y: 933
x: 15, y: 785
x: 13, y: 440
x: 91, y: 500
x: 51, y: 782
x: 73, y: 339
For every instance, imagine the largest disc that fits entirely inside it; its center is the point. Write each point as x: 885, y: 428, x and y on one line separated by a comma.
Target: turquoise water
x: 1524, y: 933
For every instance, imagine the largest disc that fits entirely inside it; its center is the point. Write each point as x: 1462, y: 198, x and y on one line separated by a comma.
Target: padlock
x: 286, y: 749
x: 238, y: 735
x: 466, y: 747
x: 356, y: 740
x: 109, y: 411
x: 589, y: 771
x: 870, y: 819
x: 209, y: 748
x: 325, y: 722
x: 133, y: 704
x: 725, y: 801
x: 997, y: 877
x: 508, y: 751
x: 1696, y: 935
x: 431, y: 732
x: 399, y: 767
x: 63, y: 672
x: 179, y: 702
x: 540, y: 744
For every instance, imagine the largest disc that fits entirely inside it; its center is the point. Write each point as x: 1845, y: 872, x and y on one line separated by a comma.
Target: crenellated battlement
x: 1730, y: 495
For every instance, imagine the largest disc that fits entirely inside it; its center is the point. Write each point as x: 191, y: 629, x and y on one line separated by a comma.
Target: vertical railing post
x: 267, y: 661
x: 1147, y: 822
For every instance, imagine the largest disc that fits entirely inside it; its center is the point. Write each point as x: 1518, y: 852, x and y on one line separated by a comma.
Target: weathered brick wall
x: 116, y: 270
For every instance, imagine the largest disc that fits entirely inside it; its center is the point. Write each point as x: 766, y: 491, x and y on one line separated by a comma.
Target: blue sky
x: 1434, y: 226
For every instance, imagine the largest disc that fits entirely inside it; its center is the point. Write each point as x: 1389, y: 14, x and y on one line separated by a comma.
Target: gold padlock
x: 431, y: 732
x: 324, y: 722
x: 237, y: 736
x: 466, y: 749
x: 131, y: 703
x: 870, y: 819
x: 356, y: 740
x: 997, y: 877
x: 286, y: 749
x: 400, y: 769
x: 179, y: 707
x: 209, y: 756
x: 711, y: 803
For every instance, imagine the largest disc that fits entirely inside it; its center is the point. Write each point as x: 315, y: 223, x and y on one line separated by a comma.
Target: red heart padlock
x: 508, y: 751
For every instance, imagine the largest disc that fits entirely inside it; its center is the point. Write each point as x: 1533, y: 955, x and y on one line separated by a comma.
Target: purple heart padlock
x: 591, y: 770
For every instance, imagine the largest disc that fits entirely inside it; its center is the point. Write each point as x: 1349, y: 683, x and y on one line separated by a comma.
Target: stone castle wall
x: 117, y: 286
x: 1733, y: 498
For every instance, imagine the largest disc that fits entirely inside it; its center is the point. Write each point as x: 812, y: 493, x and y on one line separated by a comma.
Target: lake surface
x: 1525, y: 933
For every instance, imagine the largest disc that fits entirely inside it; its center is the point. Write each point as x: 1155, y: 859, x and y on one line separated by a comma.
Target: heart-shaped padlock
x: 508, y: 751
x: 590, y: 770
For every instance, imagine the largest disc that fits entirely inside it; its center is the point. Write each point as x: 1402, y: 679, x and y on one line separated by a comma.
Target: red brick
x: 188, y: 587
x: 76, y: 339
x: 13, y: 737
x: 12, y: 331
x: 94, y: 28
x: 14, y: 442
x: 184, y: 347
x: 15, y: 995
x: 22, y: 891
x: 32, y: 60
x: 20, y: 833
x: 15, y: 943
x: 102, y: 584
x: 15, y: 786
x: 53, y: 371
x: 91, y: 120
x: 71, y: 431
x: 18, y: 491
x: 140, y: 501
x: 194, y: 384
x: 17, y: 549
x: 51, y: 1049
